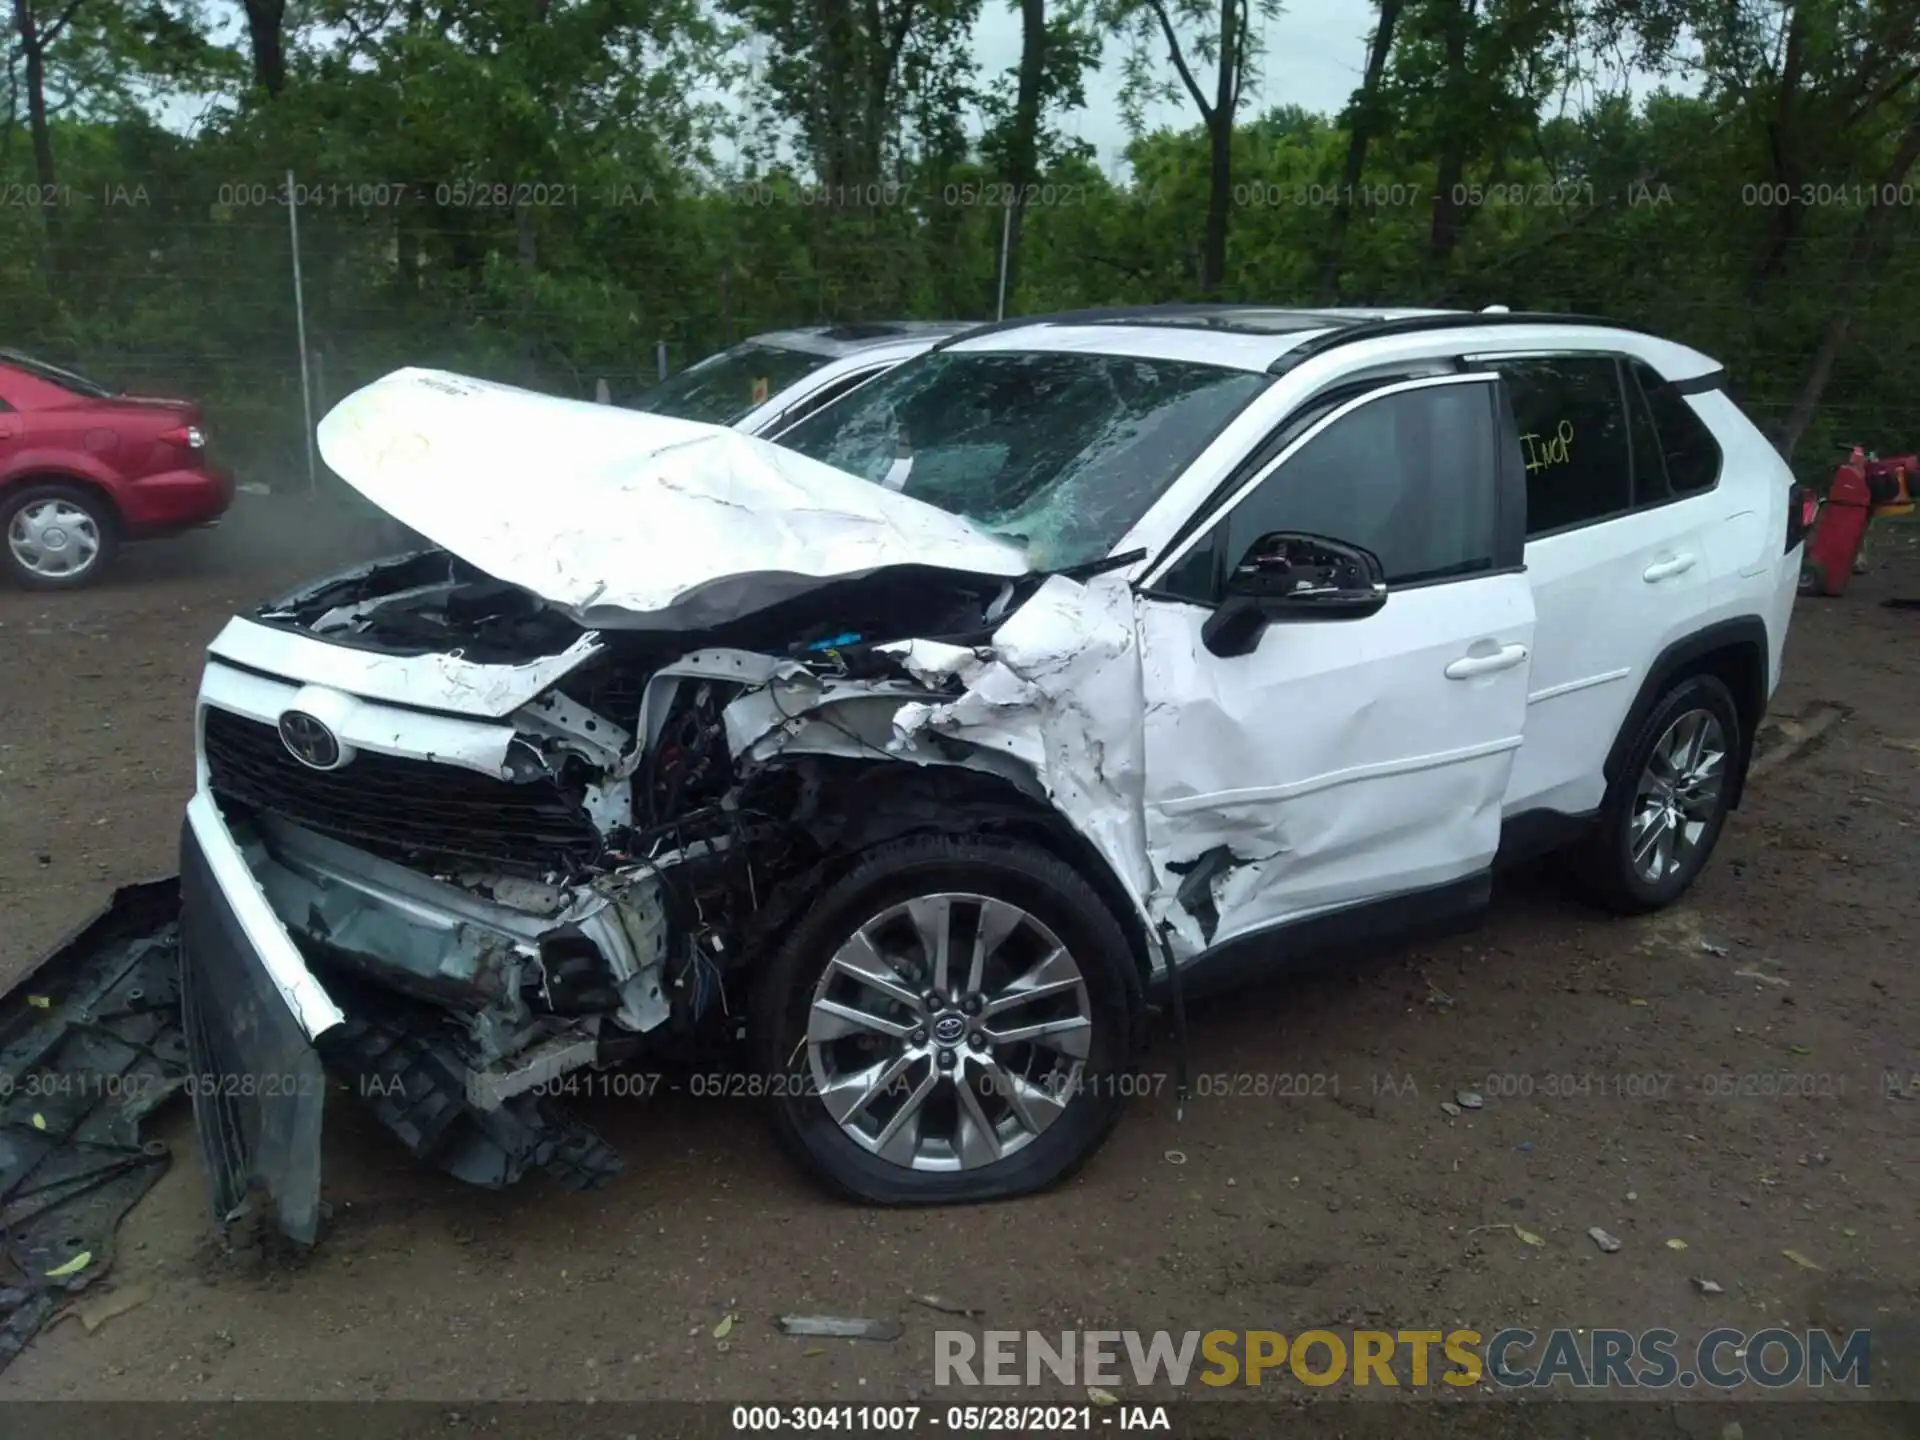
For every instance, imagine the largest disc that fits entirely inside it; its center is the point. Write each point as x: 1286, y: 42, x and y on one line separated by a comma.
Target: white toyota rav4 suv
x: 1078, y: 659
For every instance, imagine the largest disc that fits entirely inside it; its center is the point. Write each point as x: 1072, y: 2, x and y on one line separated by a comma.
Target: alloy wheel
x: 1678, y: 796
x: 949, y: 1032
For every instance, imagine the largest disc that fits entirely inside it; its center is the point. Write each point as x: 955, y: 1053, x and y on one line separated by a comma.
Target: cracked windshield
x: 1060, y: 450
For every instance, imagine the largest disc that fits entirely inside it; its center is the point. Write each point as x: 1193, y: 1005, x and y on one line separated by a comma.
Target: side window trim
x: 1207, y: 517
x: 1278, y: 439
x: 1638, y: 409
x: 813, y: 404
x: 1680, y: 389
x: 1627, y: 382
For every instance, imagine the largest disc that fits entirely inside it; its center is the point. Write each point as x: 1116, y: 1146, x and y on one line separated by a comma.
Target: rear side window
x: 1573, y: 437
x: 825, y: 397
x: 1412, y: 476
x: 1691, y: 453
x: 723, y: 388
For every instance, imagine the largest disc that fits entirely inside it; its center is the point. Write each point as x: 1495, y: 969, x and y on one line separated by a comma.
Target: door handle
x: 1468, y: 666
x: 1667, y: 569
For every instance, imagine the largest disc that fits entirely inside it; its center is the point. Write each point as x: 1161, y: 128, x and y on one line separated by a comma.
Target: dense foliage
x: 548, y: 191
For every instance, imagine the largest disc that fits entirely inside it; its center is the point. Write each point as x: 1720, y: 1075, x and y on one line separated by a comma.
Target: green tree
x: 1191, y: 33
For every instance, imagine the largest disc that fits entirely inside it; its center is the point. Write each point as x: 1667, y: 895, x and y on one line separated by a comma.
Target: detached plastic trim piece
x: 258, y: 1086
x: 90, y: 1046
x: 239, y: 896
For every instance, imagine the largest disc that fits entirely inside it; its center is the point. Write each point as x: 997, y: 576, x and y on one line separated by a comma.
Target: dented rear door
x: 1344, y: 760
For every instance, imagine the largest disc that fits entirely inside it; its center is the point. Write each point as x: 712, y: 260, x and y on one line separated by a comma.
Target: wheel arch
x: 1734, y: 652
x: 11, y: 485
x: 862, y: 803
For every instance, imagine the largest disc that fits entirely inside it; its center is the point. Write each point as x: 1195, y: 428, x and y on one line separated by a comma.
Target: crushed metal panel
x: 452, y: 946
x: 1336, y: 762
x: 90, y: 1044
x: 1061, y: 694
x: 430, y: 682
x: 682, y: 523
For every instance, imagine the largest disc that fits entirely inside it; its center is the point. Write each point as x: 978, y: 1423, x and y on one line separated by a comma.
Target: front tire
x: 1666, y: 808
x: 55, y: 536
x: 952, y: 1021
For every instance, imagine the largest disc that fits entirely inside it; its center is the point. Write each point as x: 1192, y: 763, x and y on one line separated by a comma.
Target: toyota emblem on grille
x: 309, y: 740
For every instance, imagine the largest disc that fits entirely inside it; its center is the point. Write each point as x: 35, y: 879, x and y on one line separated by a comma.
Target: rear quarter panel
x: 1754, y: 573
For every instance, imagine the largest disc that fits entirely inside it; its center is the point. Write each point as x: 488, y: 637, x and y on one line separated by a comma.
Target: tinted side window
x: 1691, y: 452
x: 1573, y: 437
x: 1412, y: 476
x: 824, y: 398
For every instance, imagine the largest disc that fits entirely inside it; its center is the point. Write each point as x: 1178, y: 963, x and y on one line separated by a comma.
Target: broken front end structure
x: 449, y: 846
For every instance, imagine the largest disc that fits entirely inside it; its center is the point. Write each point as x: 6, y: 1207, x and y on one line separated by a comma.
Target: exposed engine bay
x: 591, y: 885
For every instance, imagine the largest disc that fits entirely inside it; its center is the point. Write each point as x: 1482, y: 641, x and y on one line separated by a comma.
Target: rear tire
x: 986, y: 1117
x: 1665, y: 810
x: 56, y: 536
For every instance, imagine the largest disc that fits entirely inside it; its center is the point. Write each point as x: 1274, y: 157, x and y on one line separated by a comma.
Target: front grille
x: 406, y: 809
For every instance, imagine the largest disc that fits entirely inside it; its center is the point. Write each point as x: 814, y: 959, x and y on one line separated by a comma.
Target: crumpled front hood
x: 625, y: 518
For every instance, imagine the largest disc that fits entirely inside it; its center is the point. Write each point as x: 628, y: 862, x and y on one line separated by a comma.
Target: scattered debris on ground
x: 90, y: 1044
x: 840, y: 1327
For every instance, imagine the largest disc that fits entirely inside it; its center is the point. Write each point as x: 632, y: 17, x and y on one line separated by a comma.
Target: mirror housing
x: 1285, y: 576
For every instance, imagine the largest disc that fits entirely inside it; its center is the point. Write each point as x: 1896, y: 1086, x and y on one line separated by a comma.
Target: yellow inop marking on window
x: 1543, y: 453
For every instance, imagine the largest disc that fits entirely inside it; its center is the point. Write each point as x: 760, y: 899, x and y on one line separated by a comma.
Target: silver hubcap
x: 53, y: 538
x: 949, y: 1032
x: 1678, y: 795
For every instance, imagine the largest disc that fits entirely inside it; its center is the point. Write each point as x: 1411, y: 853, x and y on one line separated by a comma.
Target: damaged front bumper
x: 445, y: 850
x: 267, y: 1037
x: 251, y: 1011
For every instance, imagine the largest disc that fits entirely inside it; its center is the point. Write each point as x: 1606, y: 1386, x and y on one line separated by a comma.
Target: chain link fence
x: 267, y: 297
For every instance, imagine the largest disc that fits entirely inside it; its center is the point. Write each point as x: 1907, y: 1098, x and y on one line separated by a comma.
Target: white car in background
x: 769, y: 382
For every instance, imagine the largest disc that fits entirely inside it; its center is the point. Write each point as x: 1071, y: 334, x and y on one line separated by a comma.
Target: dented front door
x: 1343, y: 760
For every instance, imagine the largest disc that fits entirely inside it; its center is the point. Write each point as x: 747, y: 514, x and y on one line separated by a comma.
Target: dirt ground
x: 1603, y: 1049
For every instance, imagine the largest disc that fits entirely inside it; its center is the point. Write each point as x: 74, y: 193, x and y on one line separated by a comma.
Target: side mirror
x: 1286, y: 577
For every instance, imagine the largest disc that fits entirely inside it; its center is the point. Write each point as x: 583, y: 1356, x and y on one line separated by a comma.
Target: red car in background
x: 82, y: 469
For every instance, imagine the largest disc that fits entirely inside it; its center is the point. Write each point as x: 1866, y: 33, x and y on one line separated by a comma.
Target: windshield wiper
x: 1087, y: 569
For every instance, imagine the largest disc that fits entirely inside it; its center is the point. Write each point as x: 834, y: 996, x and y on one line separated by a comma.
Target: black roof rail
x: 1319, y: 345
x: 1101, y: 315
x: 1341, y: 329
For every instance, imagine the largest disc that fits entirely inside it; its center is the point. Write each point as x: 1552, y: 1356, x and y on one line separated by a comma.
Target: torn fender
x: 1060, y: 691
